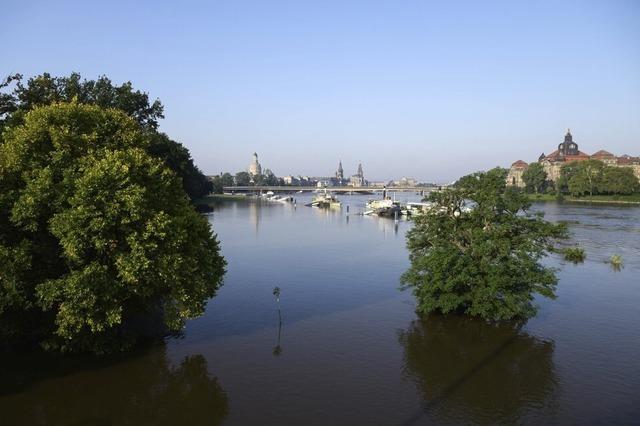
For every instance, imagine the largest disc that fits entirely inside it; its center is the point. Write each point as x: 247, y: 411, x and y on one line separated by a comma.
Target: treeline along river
x: 350, y: 348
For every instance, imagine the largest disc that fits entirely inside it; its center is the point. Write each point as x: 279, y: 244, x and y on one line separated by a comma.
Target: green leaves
x: 595, y: 177
x: 535, y: 177
x: 477, y: 251
x: 45, y: 90
x: 106, y: 229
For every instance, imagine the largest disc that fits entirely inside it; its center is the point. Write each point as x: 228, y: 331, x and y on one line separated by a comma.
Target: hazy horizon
x: 405, y: 88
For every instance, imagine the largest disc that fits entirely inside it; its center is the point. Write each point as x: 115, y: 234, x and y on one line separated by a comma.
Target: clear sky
x: 431, y: 90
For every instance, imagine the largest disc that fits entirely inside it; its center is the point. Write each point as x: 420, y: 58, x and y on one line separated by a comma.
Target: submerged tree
x: 478, y: 251
x: 96, y: 233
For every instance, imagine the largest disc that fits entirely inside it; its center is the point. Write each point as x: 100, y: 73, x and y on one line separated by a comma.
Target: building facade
x: 514, y: 178
x: 358, y: 179
x: 567, y: 152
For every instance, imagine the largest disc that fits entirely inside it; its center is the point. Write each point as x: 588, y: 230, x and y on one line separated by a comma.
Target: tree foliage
x: 45, y: 90
x: 586, y: 178
x: 594, y: 177
x: 535, y: 177
x: 177, y: 157
x: 485, y: 260
x: 618, y: 180
x: 243, y: 179
x: 96, y: 233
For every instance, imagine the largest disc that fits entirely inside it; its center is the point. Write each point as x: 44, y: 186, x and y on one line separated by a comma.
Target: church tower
x: 360, y: 173
x: 340, y: 172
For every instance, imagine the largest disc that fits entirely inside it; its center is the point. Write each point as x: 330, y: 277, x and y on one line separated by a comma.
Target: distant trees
x: 96, y: 233
x: 594, y: 177
x: 219, y: 182
x: 535, y: 177
x: 226, y: 179
x: 46, y: 90
x: 243, y: 179
x: 586, y: 177
x: 618, y: 180
x: 216, y: 185
x: 485, y: 260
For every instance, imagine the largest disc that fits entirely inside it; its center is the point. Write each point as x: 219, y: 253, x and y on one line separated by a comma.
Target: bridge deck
x: 364, y: 189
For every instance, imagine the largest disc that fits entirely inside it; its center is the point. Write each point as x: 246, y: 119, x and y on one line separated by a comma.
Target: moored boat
x: 325, y: 200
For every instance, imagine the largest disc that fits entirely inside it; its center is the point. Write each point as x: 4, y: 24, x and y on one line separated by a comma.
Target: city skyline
x: 428, y: 91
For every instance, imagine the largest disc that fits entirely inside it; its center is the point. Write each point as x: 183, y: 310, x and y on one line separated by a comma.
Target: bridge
x: 341, y: 189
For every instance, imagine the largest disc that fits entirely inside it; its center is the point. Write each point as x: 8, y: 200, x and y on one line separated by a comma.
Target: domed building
x: 514, y: 177
x: 254, y: 168
x: 567, y: 152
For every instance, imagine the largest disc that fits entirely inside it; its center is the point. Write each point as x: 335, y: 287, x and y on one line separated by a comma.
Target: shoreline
x: 547, y: 198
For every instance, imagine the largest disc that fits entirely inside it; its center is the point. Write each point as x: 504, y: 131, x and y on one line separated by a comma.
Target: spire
x: 360, y: 173
x: 340, y: 171
x: 568, y: 137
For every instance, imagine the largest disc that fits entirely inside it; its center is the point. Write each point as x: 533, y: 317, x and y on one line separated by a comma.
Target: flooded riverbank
x: 350, y: 348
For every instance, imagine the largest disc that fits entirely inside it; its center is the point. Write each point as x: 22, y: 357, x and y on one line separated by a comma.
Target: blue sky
x: 431, y: 90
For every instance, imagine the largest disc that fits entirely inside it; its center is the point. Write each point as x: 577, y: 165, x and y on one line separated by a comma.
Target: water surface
x: 350, y: 349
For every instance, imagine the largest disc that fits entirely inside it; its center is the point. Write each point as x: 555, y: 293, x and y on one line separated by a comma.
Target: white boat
x: 281, y: 198
x: 416, y: 209
x: 325, y: 200
x: 385, y: 207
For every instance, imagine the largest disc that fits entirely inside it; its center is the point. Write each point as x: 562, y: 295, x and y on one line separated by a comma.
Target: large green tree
x: 45, y: 89
x: 618, y: 180
x: 535, y: 177
x: 586, y: 177
x: 477, y: 251
x: 96, y: 234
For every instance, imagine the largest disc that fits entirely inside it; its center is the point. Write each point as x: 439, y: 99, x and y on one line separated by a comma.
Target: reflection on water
x: 143, y: 389
x: 469, y: 371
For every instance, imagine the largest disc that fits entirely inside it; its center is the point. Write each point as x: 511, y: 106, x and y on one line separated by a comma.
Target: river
x: 350, y: 348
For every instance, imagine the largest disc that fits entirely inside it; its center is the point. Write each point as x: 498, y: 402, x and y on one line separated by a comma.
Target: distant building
x: 289, y: 180
x: 405, y: 181
x: 340, y: 172
x: 567, y: 152
x: 514, y: 178
x: 254, y: 168
x: 322, y: 181
x: 358, y: 179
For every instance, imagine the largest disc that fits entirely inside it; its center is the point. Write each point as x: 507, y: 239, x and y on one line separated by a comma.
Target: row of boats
x: 385, y: 207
